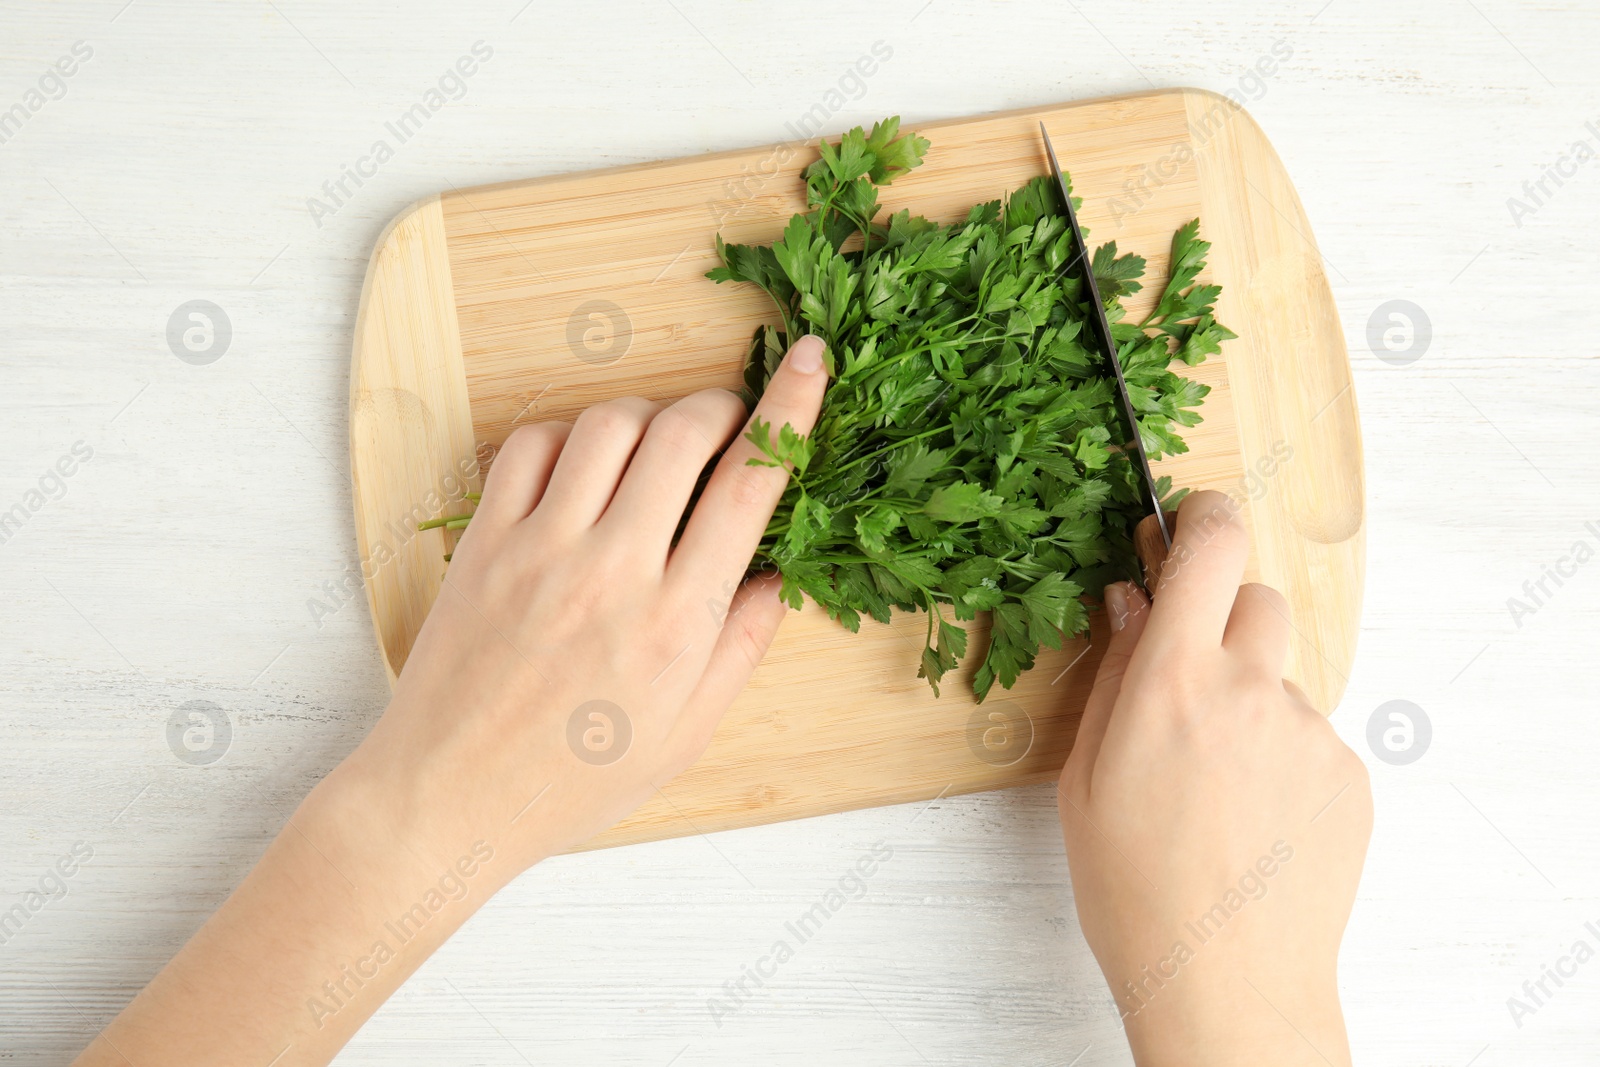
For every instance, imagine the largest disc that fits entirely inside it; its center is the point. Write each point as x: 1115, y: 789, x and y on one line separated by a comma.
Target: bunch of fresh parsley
x: 966, y: 458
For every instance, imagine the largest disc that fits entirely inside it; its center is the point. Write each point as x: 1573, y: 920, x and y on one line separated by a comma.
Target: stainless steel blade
x: 1102, y: 327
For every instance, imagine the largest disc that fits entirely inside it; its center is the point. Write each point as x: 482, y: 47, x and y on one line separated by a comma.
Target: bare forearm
x: 1215, y: 824
x: 341, y: 909
x: 563, y: 605
x: 1235, y: 1022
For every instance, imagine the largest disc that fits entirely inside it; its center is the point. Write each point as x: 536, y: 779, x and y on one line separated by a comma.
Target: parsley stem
x: 899, y: 357
x: 962, y: 341
x: 448, y: 522
x: 890, y: 447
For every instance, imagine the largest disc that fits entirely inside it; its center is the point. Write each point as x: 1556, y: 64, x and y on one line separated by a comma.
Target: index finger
x: 723, y: 533
x: 1201, y: 576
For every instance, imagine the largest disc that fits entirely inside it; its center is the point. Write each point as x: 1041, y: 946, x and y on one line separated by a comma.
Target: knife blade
x: 1102, y: 329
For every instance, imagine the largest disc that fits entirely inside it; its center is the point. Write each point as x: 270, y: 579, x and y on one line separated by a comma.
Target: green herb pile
x: 966, y: 458
x: 967, y: 455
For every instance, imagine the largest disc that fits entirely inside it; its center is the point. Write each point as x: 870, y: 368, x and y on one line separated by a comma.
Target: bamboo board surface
x: 487, y: 308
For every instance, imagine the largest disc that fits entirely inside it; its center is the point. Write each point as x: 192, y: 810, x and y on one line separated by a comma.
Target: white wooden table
x: 178, y: 563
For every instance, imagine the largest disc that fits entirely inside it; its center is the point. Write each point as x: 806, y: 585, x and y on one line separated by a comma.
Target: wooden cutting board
x: 491, y: 307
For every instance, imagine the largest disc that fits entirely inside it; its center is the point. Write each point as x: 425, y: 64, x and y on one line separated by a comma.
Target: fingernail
x: 806, y: 354
x: 1116, y: 598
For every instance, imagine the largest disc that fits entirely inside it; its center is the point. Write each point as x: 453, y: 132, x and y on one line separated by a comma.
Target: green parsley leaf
x: 968, y: 455
x: 969, y: 451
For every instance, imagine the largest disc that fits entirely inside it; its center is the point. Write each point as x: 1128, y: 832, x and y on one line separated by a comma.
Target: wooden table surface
x: 197, y: 565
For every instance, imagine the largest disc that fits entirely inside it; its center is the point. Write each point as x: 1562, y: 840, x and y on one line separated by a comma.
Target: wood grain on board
x: 492, y: 307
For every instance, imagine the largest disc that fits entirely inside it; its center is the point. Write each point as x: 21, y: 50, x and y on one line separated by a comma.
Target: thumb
x: 1128, y: 610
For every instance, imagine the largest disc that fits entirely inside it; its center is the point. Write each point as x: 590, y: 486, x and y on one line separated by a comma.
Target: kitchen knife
x: 1152, y: 551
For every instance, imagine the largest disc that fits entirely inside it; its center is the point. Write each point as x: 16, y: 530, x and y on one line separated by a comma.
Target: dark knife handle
x: 1151, y: 549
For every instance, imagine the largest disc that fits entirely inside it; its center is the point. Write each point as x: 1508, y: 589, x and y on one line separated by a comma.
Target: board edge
x: 408, y: 397
x: 1323, y: 528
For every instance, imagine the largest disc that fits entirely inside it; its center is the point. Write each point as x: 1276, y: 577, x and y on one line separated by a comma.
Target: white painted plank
x: 179, y: 561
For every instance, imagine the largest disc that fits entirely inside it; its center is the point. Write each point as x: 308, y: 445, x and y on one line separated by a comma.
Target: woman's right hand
x: 1215, y: 824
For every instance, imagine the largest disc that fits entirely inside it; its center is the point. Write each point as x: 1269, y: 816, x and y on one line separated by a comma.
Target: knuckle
x: 1350, y: 765
x: 644, y: 410
x: 1069, y: 784
x: 750, y: 637
x: 1187, y: 690
x: 687, y: 747
x: 520, y: 440
x: 730, y: 408
x: 716, y: 413
x: 1267, y: 597
x: 1216, y: 519
x: 1361, y: 775
x: 747, y: 488
x: 1348, y: 775
x: 534, y: 438
x: 717, y: 401
x: 1227, y: 530
x: 677, y: 430
x: 615, y: 418
x: 1113, y: 666
x: 602, y: 420
x: 1208, y: 500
